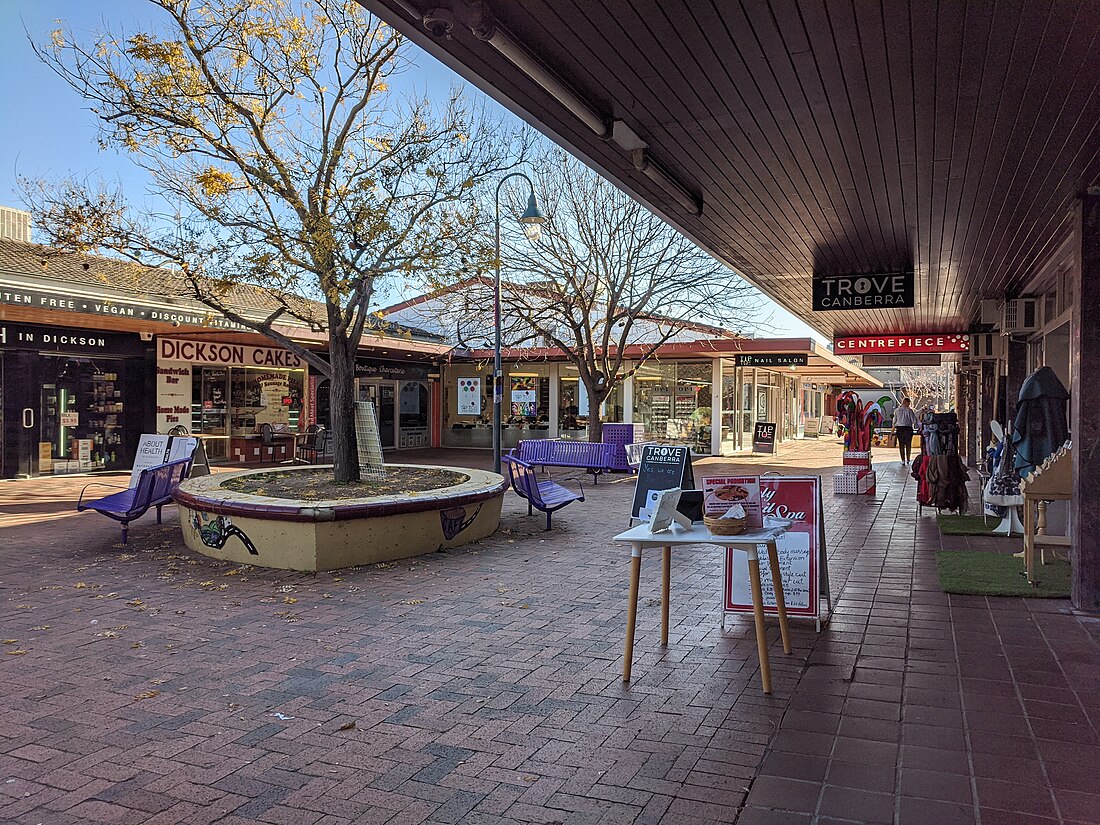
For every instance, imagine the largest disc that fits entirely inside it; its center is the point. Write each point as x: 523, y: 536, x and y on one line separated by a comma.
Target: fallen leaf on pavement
x: 348, y: 726
x: 17, y: 652
x: 149, y: 694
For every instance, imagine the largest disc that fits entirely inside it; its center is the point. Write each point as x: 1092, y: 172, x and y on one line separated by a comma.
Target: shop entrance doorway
x: 383, y: 394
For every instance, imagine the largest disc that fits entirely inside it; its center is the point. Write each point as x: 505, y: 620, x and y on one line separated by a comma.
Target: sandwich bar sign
x: 863, y: 291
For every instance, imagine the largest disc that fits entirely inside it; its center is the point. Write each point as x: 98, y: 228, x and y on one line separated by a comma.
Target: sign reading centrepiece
x: 883, y: 344
x: 232, y: 355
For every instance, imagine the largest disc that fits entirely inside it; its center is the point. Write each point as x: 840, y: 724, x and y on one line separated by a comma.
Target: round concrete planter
x: 292, y: 534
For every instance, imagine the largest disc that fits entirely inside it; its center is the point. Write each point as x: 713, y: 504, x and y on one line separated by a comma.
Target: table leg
x: 666, y: 582
x: 780, y: 600
x: 758, y: 615
x: 1029, y: 540
x: 631, y: 610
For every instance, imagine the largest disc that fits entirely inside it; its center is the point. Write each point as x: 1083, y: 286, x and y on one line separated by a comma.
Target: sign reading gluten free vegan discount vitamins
x: 763, y: 437
x: 801, y: 551
x: 661, y: 468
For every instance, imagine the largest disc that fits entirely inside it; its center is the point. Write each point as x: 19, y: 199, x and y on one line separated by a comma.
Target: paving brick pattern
x: 146, y: 685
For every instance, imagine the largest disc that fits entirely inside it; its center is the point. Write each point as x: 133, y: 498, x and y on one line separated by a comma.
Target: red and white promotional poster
x: 722, y: 493
x: 800, y: 550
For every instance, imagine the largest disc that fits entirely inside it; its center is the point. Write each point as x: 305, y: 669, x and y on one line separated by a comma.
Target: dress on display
x: 1040, y: 425
x: 940, y: 473
x: 1003, y: 488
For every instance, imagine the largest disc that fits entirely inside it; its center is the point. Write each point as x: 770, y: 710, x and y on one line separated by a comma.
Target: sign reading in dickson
x: 797, y: 359
x: 863, y: 291
x: 883, y: 344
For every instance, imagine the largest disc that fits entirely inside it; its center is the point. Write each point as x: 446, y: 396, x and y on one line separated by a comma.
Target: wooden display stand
x: 1053, y: 481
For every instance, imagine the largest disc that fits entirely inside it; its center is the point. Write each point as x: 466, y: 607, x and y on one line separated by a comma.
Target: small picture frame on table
x: 663, y: 512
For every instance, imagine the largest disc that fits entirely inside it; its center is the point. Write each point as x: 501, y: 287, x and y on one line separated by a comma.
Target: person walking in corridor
x: 905, y: 421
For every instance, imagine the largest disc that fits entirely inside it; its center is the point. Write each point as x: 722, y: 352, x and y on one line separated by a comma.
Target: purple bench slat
x: 546, y: 496
x: 587, y: 455
x: 154, y: 489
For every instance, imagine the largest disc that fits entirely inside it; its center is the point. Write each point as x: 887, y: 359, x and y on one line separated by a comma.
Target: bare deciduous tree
x: 268, y: 128
x: 927, y: 386
x: 606, y: 283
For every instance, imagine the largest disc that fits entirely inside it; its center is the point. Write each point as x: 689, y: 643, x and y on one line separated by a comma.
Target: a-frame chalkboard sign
x: 661, y: 468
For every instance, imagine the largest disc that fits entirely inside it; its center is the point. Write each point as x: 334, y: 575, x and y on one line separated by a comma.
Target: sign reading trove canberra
x: 233, y: 355
x: 863, y: 291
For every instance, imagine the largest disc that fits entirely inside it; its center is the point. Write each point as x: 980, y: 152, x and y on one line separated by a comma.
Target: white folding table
x: 640, y: 538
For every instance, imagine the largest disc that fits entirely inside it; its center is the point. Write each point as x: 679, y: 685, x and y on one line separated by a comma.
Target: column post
x: 1085, y: 409
x: 555, y: 401
x: 716, y: 406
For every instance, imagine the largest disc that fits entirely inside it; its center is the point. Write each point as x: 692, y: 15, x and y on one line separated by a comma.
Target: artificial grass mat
x: 965, y: 525
x: 985, y: 573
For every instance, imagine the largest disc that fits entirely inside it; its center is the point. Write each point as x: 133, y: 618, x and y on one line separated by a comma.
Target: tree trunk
x: 342, y: 398
x: 595, y: 419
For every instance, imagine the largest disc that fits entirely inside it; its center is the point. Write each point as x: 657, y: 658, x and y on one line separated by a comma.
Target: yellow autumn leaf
x: 17, y: 652
x: 149, y: 694
x: 289, y: 600
x: 10, y: 641
x: 80, y: 585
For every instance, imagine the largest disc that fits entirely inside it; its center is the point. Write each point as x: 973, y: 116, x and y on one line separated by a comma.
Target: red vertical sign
x: 801, y: 550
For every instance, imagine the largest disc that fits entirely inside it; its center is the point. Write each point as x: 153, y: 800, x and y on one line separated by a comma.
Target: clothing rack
x: 940, y: 473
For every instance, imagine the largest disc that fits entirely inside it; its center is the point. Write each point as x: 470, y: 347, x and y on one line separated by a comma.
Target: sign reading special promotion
x: 801, y: 551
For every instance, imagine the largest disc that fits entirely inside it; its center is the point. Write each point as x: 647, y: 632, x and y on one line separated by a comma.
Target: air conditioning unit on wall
x: 1020, y: 315
x: 986, y: 346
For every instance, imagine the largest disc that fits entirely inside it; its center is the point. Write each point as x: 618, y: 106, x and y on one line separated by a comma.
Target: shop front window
x: 413, y: 406
x: 83, y: 414
x: 672, y: 400
x: 237, y: 401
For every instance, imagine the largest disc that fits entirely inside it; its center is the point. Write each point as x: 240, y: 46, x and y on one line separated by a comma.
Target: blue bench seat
x: 545, y: 496
x: 154, y: 488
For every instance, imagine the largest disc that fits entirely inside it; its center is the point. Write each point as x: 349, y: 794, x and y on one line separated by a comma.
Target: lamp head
x: 532, y: 218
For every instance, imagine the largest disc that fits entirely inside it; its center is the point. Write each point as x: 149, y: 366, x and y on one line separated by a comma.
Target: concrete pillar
x: 1085, y: 409
x: 716, y: 406
x: 555, y: 401
x: 986, y: 390
x: 1017, y: 372
x: 975, y: 449
x: 628, y: 396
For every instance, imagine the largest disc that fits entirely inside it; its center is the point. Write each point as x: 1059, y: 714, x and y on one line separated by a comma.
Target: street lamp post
x: 532, y: 220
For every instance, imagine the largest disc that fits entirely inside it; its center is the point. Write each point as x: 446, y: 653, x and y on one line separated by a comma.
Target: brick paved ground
x: 144, y: 684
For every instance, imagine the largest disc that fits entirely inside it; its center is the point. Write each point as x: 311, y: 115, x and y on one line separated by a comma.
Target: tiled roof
x: 18, y: 258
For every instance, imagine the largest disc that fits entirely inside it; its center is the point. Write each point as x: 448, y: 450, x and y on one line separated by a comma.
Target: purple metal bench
x: 546, y: 496
x: 154, y: 489
x: 545, y: 452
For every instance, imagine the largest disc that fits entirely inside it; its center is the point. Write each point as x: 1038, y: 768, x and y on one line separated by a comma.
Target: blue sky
x: 46, y: 128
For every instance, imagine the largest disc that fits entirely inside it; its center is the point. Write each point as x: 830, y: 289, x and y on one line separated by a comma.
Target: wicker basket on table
x: 724, y: 526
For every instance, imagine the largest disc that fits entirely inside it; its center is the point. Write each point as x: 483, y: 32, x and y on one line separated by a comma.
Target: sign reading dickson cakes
x: 863, y: 291
x: 230, y: 355
x: 884, y: 344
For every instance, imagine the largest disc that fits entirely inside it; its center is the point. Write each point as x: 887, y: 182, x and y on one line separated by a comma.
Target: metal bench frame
x: 154, y: 488
x: 546, y: 496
